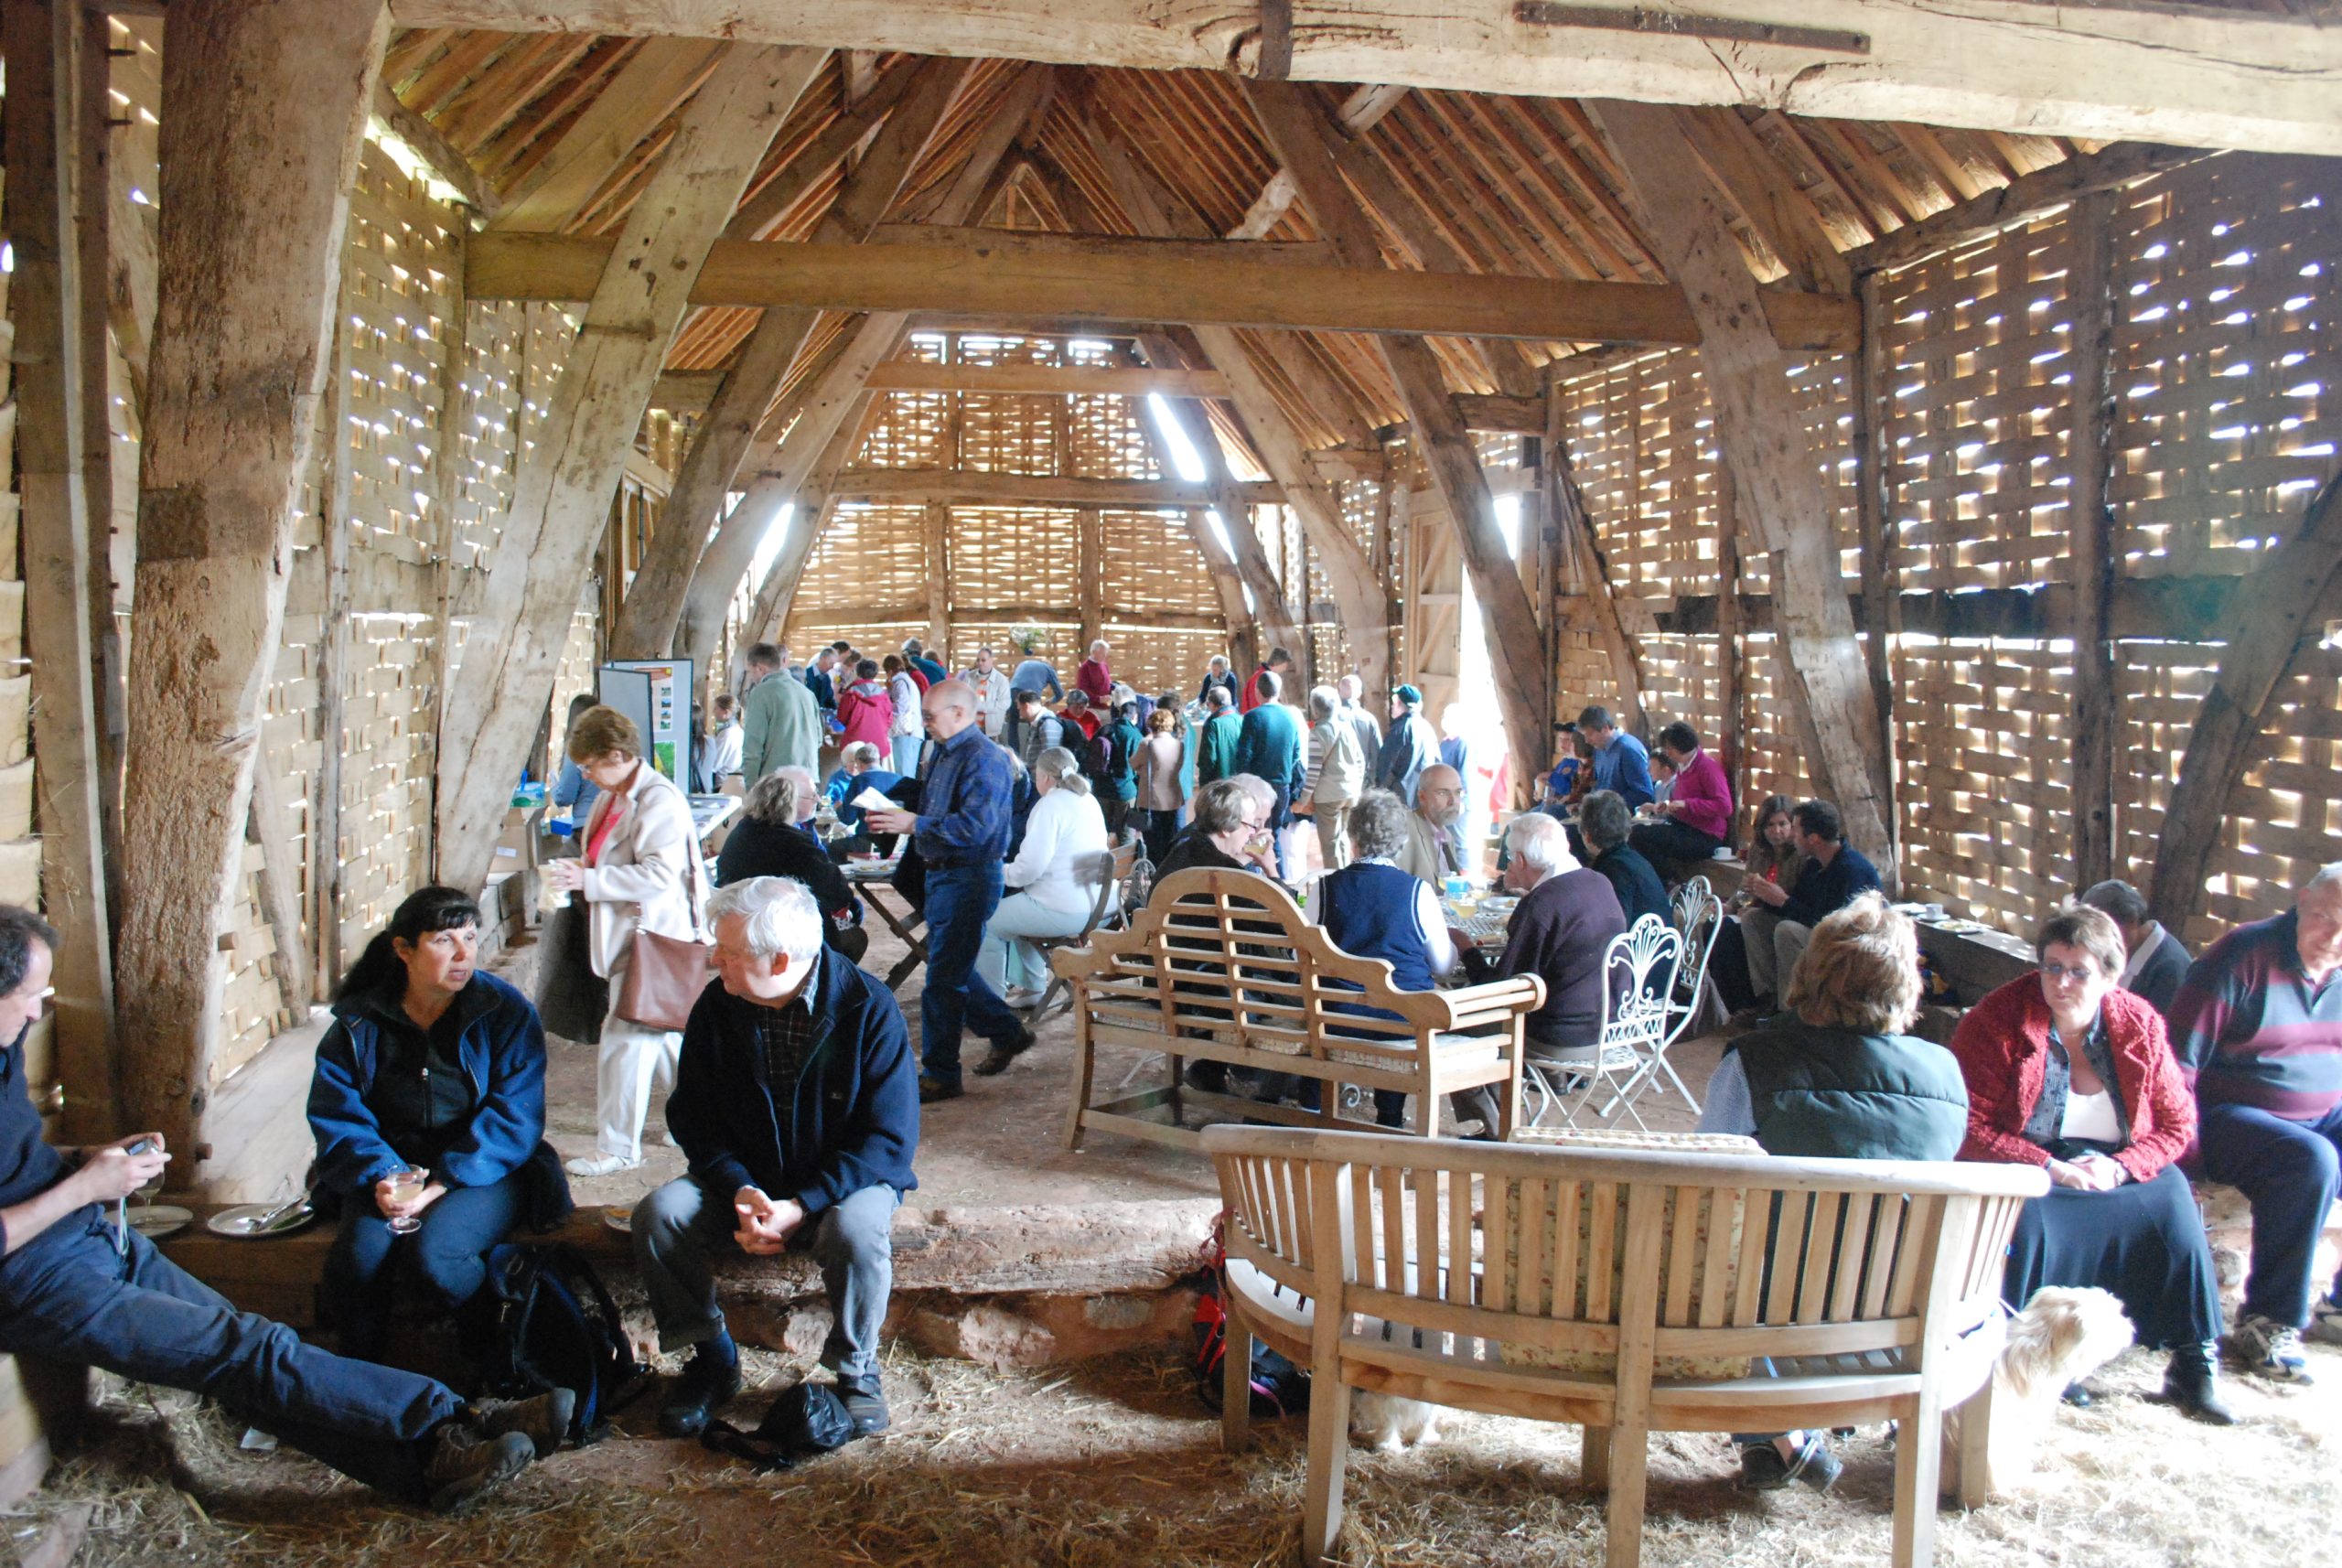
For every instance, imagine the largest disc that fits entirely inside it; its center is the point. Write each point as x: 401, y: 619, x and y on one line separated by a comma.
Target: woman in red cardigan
x: 2066, y: 1069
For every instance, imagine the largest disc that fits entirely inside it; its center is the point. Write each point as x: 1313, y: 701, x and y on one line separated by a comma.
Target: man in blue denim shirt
x: 963, y: 835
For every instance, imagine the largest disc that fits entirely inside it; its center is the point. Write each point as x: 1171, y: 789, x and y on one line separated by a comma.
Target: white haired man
x: 2257, y: 1026
x: 1560, y: 932
x: 992, y: 691
x: 797, y: 1103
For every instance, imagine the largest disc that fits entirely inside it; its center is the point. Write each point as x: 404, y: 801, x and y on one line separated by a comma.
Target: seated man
x: 2157, y: 962
x: 1621, y: 763
x: 1435, y: 847
x: 77, y: 1287
x: 1780, y: 921
x: 796, y: 1104
x: 1560, y: 931
x: 858, y: 769
x: 2257, y: 1026
x: 1604, y: 822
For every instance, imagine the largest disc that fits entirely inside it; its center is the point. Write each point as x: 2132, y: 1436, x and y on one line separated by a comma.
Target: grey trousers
x: 1774, y: 947
x: 682, y: 1228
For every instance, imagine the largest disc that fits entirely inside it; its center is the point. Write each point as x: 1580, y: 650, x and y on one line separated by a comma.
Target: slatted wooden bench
x: 1626, y: 1292
x: 1222, y: 966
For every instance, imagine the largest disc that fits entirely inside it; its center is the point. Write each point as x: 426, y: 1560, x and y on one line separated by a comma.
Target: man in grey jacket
x: 780, y: 720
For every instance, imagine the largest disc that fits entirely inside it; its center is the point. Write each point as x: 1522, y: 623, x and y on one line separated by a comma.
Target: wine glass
x: 406, y: 1185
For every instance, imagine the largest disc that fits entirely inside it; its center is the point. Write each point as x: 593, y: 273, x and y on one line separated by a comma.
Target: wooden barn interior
x: 1929, y: 402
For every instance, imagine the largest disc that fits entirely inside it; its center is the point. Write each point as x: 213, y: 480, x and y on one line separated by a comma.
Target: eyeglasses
x: 2059, y: 972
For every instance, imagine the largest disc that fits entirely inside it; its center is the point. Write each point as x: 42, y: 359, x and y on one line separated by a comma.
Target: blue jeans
x: 448, y: 1255
x: 959, y: 903
x: 67, y: 1296
x: 682, y: 1228
x: 905, y: 749
x: 2288, y: 1172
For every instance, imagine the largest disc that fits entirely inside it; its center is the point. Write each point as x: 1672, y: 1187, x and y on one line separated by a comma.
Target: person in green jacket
x: 780, y: 720
x: 1215, y: 749
x: 1268, y: 746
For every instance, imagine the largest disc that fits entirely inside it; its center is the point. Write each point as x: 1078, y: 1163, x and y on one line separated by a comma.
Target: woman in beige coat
x: 641, y: 871
x: 1336, y: 776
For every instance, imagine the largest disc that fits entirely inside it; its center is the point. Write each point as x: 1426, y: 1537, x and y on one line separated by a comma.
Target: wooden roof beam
x: 438, y: 152
x: 596, y: 145
x: 1211, y: 282
x: 977, y: 487
x: 2176, y: 73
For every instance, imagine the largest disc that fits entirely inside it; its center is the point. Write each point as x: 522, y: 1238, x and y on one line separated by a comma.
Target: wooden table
x: 867, y: 877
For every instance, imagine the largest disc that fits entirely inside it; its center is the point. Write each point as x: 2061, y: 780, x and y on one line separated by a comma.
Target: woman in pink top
x: 1695, y: 820
x: 865, y: 710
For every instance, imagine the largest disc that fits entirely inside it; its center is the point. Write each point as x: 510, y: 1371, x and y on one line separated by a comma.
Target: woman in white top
x: 641, y: 871
x: 909, y: 727
x: 1050, y: 899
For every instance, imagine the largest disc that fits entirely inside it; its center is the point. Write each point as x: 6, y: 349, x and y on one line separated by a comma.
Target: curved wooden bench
x: 1624, y: 1292
x: 1222, y: 966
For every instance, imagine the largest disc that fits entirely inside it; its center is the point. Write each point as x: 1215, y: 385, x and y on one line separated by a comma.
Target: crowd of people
x: 2119, y: 1065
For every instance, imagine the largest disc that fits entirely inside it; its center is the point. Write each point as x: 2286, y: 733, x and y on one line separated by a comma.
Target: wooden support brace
x: 2090, y: 296
x: 1783, y: 505
x: 2289, y: 591
x: 562, y: 501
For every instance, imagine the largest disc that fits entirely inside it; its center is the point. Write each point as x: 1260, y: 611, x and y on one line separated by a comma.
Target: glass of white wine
x: 406, y: 1185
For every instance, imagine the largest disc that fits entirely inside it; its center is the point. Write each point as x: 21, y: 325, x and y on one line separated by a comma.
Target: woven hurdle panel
x: 1017, y: 556
x: 1012, y: 432
x: 1641, y: 445
x: 1985, y: 732
x: 870, y: 558
x: 2227, y: 355
x: 911, y: 430
x: 1981, y: 414
x: 2283, y: 822
x: 1155, y: 660
x: 1148, y: 569
x: 1773, y: 754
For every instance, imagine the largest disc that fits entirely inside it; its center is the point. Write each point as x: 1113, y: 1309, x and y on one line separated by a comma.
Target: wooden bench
x: 1626, y: 1292
x: 1222, y: 966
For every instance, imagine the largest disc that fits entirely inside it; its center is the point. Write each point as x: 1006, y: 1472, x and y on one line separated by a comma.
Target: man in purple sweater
x: 1564, y: 925
x: 2257, y: 1025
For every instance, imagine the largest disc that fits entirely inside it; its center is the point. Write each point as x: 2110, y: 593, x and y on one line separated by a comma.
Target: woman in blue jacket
x: 433, y: 1063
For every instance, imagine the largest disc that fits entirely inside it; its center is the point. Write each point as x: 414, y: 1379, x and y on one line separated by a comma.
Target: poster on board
x: 668, y: 735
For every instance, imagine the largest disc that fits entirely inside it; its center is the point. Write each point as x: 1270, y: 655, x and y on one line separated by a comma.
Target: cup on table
x: 406, y: 1185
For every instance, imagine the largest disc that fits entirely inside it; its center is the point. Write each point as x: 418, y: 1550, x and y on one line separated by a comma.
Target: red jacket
x: 2002, y: 1045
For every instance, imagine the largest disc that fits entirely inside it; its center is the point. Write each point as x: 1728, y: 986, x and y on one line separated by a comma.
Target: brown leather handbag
x: 664, y: 975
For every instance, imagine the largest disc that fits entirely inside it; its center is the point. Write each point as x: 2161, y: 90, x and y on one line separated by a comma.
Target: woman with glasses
x: 431, y: 1064
x: 2067, y: 1071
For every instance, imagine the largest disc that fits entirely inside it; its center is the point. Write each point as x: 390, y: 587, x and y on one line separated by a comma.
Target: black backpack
x: 805, y: 1423
x: 556, y: 1327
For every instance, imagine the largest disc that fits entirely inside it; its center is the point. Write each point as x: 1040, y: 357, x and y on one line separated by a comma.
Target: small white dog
x: 1389, y: 1422
x: 2061, y: 1336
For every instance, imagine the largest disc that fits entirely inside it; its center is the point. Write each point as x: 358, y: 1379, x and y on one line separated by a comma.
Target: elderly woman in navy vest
x: 1373, y: 909
x: 2068, y: 1072
x: 1839, y: 1077
x: 434, y: 1065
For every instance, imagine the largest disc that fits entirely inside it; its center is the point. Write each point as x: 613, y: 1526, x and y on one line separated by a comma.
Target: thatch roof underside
x: 1525, y: 187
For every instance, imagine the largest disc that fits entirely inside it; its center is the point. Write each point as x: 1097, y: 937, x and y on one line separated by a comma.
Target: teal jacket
x: 1835, y: 1094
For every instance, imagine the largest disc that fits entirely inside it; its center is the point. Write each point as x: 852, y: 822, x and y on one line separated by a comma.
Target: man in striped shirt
x: 2257, y: 1025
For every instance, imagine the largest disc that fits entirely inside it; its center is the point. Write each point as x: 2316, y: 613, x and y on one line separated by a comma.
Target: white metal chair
x: 1699, y: 916
x: 1638, y: 972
